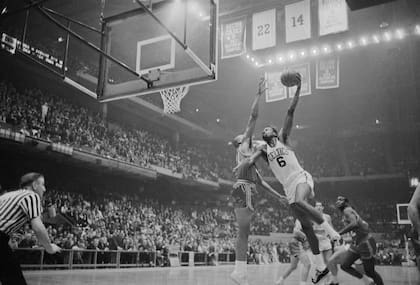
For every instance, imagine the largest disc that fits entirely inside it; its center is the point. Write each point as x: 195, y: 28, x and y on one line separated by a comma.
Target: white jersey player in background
x: 297, y: 183
x: 325, y: 246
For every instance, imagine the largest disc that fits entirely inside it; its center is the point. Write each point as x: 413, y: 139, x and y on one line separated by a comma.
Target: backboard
x: 402, y: 214
x: 175, y: 39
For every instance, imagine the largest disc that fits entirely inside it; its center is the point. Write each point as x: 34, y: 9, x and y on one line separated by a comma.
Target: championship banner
x: 328, y: 73
x: 305, y: 71
x: 298, y: 21
x: 233, y: 38
x: 332, y: 16
x: 275, y: 90
x: 264, y: 29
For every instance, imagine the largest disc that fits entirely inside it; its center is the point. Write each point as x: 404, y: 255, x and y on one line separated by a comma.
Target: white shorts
x: 324, y: 245
x: 290, y: 188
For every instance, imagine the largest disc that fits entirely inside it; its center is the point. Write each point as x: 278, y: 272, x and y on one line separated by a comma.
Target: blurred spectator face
x: 319, y: 207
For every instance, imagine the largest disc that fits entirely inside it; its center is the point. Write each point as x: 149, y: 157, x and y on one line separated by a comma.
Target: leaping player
x: 325, y: 246
x: 297, y: 183
x: 245, y: 187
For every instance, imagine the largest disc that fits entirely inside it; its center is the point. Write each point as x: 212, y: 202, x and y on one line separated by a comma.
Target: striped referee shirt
x: 17, y: 208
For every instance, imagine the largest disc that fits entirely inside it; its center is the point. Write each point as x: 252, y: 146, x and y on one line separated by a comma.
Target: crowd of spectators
x: 366, y: 155
x: 121, y: 222
x: 321, y: 159
x: 38, y: 113
x: 82, y: 128
x: 130, y: 223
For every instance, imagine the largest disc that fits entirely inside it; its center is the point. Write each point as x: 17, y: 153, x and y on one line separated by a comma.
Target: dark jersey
x: 246, y: 171
x: 361, y: 231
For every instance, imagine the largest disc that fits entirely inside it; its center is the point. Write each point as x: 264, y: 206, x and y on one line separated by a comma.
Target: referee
x: 17, y: 208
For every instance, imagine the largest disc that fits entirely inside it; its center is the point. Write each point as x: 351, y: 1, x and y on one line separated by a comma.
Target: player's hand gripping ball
x: 290, y: 78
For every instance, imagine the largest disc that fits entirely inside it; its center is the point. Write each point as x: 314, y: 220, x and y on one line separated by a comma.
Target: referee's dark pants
x: 10, y: 271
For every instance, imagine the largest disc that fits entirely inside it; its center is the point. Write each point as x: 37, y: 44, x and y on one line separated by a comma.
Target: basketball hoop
x: 172, y: 97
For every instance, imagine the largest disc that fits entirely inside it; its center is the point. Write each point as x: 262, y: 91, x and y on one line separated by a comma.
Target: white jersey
x: 283, y: 162
x: 320, y: 232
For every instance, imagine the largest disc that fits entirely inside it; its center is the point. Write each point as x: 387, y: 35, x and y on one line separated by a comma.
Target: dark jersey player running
x: 363, y: 247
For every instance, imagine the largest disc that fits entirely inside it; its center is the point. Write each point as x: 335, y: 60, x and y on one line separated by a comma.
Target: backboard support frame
x: 103, y: 50
x: 209, y: 69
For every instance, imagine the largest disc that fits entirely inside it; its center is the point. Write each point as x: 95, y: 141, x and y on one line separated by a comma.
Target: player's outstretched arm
x: 328, y: 219
x: 288, y: 122
x: 270, y: 189
x: 413, y: 209
x: 254, y: 114
x: 351, y: 216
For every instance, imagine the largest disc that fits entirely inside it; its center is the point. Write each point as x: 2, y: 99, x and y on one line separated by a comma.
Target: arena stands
x: 80, y: 127
x: 129, y: 223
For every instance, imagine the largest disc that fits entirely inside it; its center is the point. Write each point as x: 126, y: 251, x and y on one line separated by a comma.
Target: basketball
x: 290, y: 78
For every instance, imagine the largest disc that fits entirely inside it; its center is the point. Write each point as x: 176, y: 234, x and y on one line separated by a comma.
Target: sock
x: 280, y: 279
x: 330, y: 231
x: 334, y: 279
x: 240, y: 267
x: 366, y: 280
x: 319, y: 262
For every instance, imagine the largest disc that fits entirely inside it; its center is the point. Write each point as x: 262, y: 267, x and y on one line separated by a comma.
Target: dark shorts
x: 242, y: 194
x: 366, y: 249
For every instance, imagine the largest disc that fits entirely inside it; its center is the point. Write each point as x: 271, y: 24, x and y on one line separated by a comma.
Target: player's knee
x: 293, y: 266
x: 306, y: 227
x: 300, y: 203
x: 302, y: 192
x: 331, y: 264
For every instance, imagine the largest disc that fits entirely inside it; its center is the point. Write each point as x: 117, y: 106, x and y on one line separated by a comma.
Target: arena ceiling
x: 377, y: 83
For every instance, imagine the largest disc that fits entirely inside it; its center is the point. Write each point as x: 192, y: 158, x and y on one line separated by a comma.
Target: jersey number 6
x: 281, y: 161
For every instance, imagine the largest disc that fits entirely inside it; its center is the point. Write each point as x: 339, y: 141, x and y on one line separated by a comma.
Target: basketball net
x: 172, y: 97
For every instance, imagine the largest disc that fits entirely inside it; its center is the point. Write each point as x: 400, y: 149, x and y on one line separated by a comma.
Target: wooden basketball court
x: 214, y: 275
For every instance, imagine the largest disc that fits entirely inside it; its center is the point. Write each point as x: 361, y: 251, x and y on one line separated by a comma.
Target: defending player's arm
x: 413, y: 209
x: 270, y: 189
x: 253, y: 117
x: 352, y: 217
x: 328, y: 219
x: 260, y: 152
x: 288, y: 122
